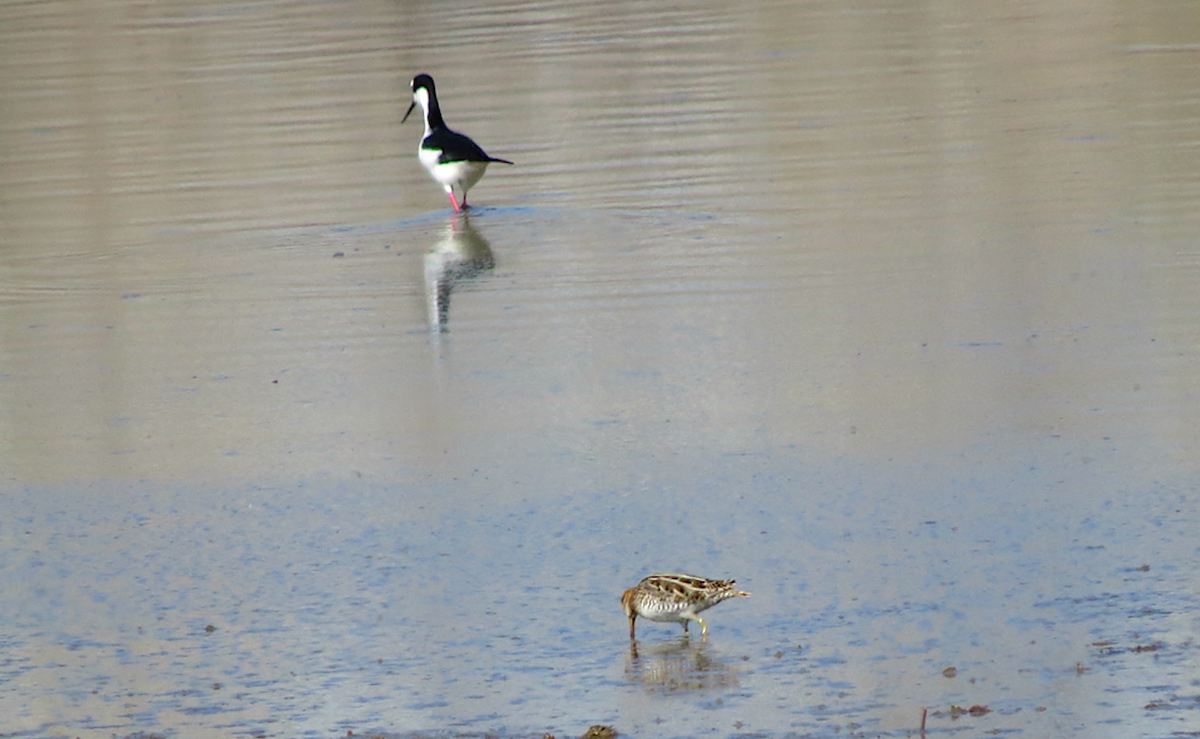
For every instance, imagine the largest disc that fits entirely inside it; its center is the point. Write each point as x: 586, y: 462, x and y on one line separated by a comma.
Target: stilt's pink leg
x: 453, y: 201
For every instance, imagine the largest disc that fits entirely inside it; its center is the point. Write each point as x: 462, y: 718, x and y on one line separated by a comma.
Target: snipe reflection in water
x: 679, y: 665
x: 461, y: 254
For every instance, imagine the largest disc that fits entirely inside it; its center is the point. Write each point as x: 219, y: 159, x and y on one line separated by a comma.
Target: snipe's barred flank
x: 676, y: 598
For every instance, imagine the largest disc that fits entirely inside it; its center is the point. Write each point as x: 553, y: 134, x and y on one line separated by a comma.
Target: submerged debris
x: 976, y: 710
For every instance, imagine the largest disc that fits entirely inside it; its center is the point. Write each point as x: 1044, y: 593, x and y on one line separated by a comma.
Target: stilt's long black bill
x: 410, y: 108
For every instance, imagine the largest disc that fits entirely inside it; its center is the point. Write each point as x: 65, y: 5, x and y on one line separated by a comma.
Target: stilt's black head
x: 423, y: 80
x: 433, y: 112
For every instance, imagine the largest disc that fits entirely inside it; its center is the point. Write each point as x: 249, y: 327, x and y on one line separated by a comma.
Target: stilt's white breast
x: 429, y: 159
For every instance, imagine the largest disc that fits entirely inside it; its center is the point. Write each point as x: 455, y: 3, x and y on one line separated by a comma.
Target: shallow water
x: 889, y: 313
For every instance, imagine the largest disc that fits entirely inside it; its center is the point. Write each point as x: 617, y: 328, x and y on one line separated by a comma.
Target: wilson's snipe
x: 675, y: 598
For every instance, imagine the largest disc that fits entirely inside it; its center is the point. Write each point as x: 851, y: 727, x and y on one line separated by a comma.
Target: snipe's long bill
x: 678, y: 598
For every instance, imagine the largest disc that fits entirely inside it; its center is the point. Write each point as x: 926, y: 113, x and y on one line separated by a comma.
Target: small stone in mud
x: 950, y: 671
x: 600, y: 732
x: 210, y: 628
x: 979, y: 710
x: 339, y: 254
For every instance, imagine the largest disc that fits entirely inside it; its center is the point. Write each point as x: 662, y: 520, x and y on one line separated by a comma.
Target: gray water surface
x: 888, y: 312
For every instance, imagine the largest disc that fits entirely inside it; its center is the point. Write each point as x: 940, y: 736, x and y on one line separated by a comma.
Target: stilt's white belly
x: 462, y: 175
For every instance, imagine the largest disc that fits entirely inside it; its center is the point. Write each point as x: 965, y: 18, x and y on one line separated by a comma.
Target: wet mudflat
x: 889, y: 315
x: 340, y: 607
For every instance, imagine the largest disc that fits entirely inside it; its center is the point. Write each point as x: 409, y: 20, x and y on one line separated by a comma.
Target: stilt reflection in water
x: 461, y: 254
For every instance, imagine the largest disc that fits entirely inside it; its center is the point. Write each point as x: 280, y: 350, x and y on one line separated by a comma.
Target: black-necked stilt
x: 451, y: 158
